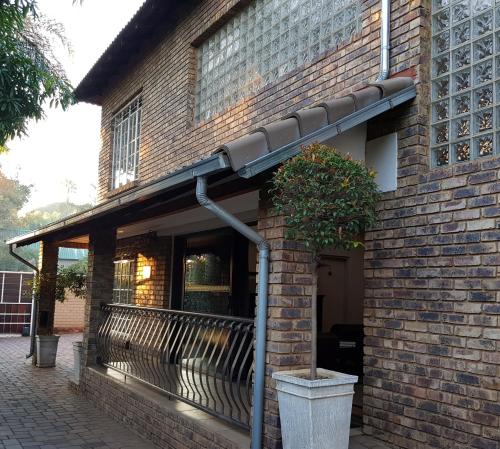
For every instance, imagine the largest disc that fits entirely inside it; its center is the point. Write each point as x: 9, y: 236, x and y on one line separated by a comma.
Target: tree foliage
x: 50, y: 213
x: 72, y: 278
x: 13, y: 196
x: 30, y: 73
x: 327, y: 198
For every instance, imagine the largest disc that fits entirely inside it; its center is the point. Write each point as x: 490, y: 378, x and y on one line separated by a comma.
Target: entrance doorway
x: 340, y: 318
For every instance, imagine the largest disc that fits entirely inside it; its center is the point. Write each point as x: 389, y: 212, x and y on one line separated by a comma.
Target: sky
x: 65, y: 145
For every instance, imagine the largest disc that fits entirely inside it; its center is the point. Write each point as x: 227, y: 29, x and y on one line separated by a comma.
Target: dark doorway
x: 340, y: 318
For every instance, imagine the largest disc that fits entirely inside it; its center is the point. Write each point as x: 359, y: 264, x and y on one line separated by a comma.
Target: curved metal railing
x: 204, y: 360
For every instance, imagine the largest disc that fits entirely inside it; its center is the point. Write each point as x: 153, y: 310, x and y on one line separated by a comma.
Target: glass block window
x: 265, y: 40
x: 465, y: 80
x: 126, y: 133
x: 123, y: 286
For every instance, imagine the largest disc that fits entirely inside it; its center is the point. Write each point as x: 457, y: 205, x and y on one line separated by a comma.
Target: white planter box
x: 46, y: 350
x: 315, y: 414
x: 77, y: 357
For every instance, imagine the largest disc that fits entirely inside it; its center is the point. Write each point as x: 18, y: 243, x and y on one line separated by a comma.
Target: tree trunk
x: 314, y: 319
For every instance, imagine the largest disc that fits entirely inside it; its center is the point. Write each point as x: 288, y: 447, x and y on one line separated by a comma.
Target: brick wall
x: 432, y: 307
x: 156, y: 252
x: 165, y: 76
x: 289, y: 324
x: 69, y: 315
x: 432, y: 346
x: 166, y: 422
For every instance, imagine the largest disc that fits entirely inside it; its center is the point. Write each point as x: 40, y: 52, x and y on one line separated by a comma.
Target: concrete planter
x: 46, y: 350
x: 315, y: 414
x: 77, y: 357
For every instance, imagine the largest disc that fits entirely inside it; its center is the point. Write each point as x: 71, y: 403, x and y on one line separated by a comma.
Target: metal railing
x: 204, y: 360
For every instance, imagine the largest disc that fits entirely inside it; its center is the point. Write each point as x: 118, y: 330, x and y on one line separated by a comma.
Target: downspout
x: 261, y: 314
x: 385, y: 36
x: 34, y: 306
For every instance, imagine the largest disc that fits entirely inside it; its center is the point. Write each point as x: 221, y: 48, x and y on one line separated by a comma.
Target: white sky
x: 66, y: 144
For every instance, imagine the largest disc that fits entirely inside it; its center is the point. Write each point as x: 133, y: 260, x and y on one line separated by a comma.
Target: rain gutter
x: 286, y: 152
x: 261, y: 314
x: 34, y: 302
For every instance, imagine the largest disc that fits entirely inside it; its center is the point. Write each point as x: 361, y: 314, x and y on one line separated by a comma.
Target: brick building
x: 221, y: 92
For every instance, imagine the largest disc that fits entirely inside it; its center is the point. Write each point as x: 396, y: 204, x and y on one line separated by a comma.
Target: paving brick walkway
x: 38, y: 411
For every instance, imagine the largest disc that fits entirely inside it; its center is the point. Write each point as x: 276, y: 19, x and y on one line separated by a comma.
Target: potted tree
x: 73, y: 279
x: 327, y: 200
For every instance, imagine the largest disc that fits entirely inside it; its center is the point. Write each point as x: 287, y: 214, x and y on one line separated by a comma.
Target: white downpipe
x: 385, y: 36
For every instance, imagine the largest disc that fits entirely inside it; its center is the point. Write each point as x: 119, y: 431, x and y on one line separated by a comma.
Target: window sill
x: 124, y: 188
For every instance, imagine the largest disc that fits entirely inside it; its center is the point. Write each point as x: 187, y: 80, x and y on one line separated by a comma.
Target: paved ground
x: 38, y: 411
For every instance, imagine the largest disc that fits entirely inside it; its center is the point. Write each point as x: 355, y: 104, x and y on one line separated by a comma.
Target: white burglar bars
x: 126, y: 138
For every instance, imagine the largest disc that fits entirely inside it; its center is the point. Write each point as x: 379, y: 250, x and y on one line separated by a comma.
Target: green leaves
x: 30, y: 75
x: 72, y: 278
x: 327, y: 198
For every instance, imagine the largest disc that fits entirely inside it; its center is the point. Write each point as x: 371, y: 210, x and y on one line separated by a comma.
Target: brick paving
x: 39, y: 411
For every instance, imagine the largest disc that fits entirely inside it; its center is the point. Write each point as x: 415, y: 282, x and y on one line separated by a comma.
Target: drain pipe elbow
x: 34, y: 306
x: 261, y: 313
x: 385, y: 36
x: 201, y: 192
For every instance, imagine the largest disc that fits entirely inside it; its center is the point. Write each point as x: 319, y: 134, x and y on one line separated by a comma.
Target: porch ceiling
x: 236, y: 167
x: 195, y: 219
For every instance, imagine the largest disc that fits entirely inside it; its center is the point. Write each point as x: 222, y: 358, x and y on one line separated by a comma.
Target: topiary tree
x: 327, y: 200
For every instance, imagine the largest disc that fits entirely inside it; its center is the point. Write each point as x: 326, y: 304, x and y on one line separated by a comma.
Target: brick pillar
x: 289, y: 323
x: 47, y: 264
x: 102, y: 245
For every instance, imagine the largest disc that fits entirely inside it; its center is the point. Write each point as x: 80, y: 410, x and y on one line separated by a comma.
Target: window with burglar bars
x: 123, y: 287
x: 265, y: 40
x: 126, y: 137
x: 465, y: 80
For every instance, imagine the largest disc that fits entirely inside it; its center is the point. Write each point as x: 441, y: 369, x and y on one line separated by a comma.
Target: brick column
x: 289, y: 323
x: 101, y: 255
x: 47, y: 264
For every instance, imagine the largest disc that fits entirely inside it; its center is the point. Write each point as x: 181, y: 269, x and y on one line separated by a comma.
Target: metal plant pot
x: 77, y: 355
x: 46, y: 350
x: 315, y: 414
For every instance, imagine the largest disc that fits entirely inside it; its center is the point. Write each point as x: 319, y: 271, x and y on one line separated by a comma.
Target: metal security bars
x: 204, y: 360
x: 126, y: 136
x: 123, y: 282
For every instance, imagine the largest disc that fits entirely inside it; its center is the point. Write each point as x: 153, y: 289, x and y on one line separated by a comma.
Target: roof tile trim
x: 303, y: 122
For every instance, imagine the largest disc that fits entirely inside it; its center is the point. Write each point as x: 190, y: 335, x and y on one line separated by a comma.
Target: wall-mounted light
x: 146, y: 272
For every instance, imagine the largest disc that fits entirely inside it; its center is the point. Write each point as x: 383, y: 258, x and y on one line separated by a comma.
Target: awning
x: 250, y: 155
